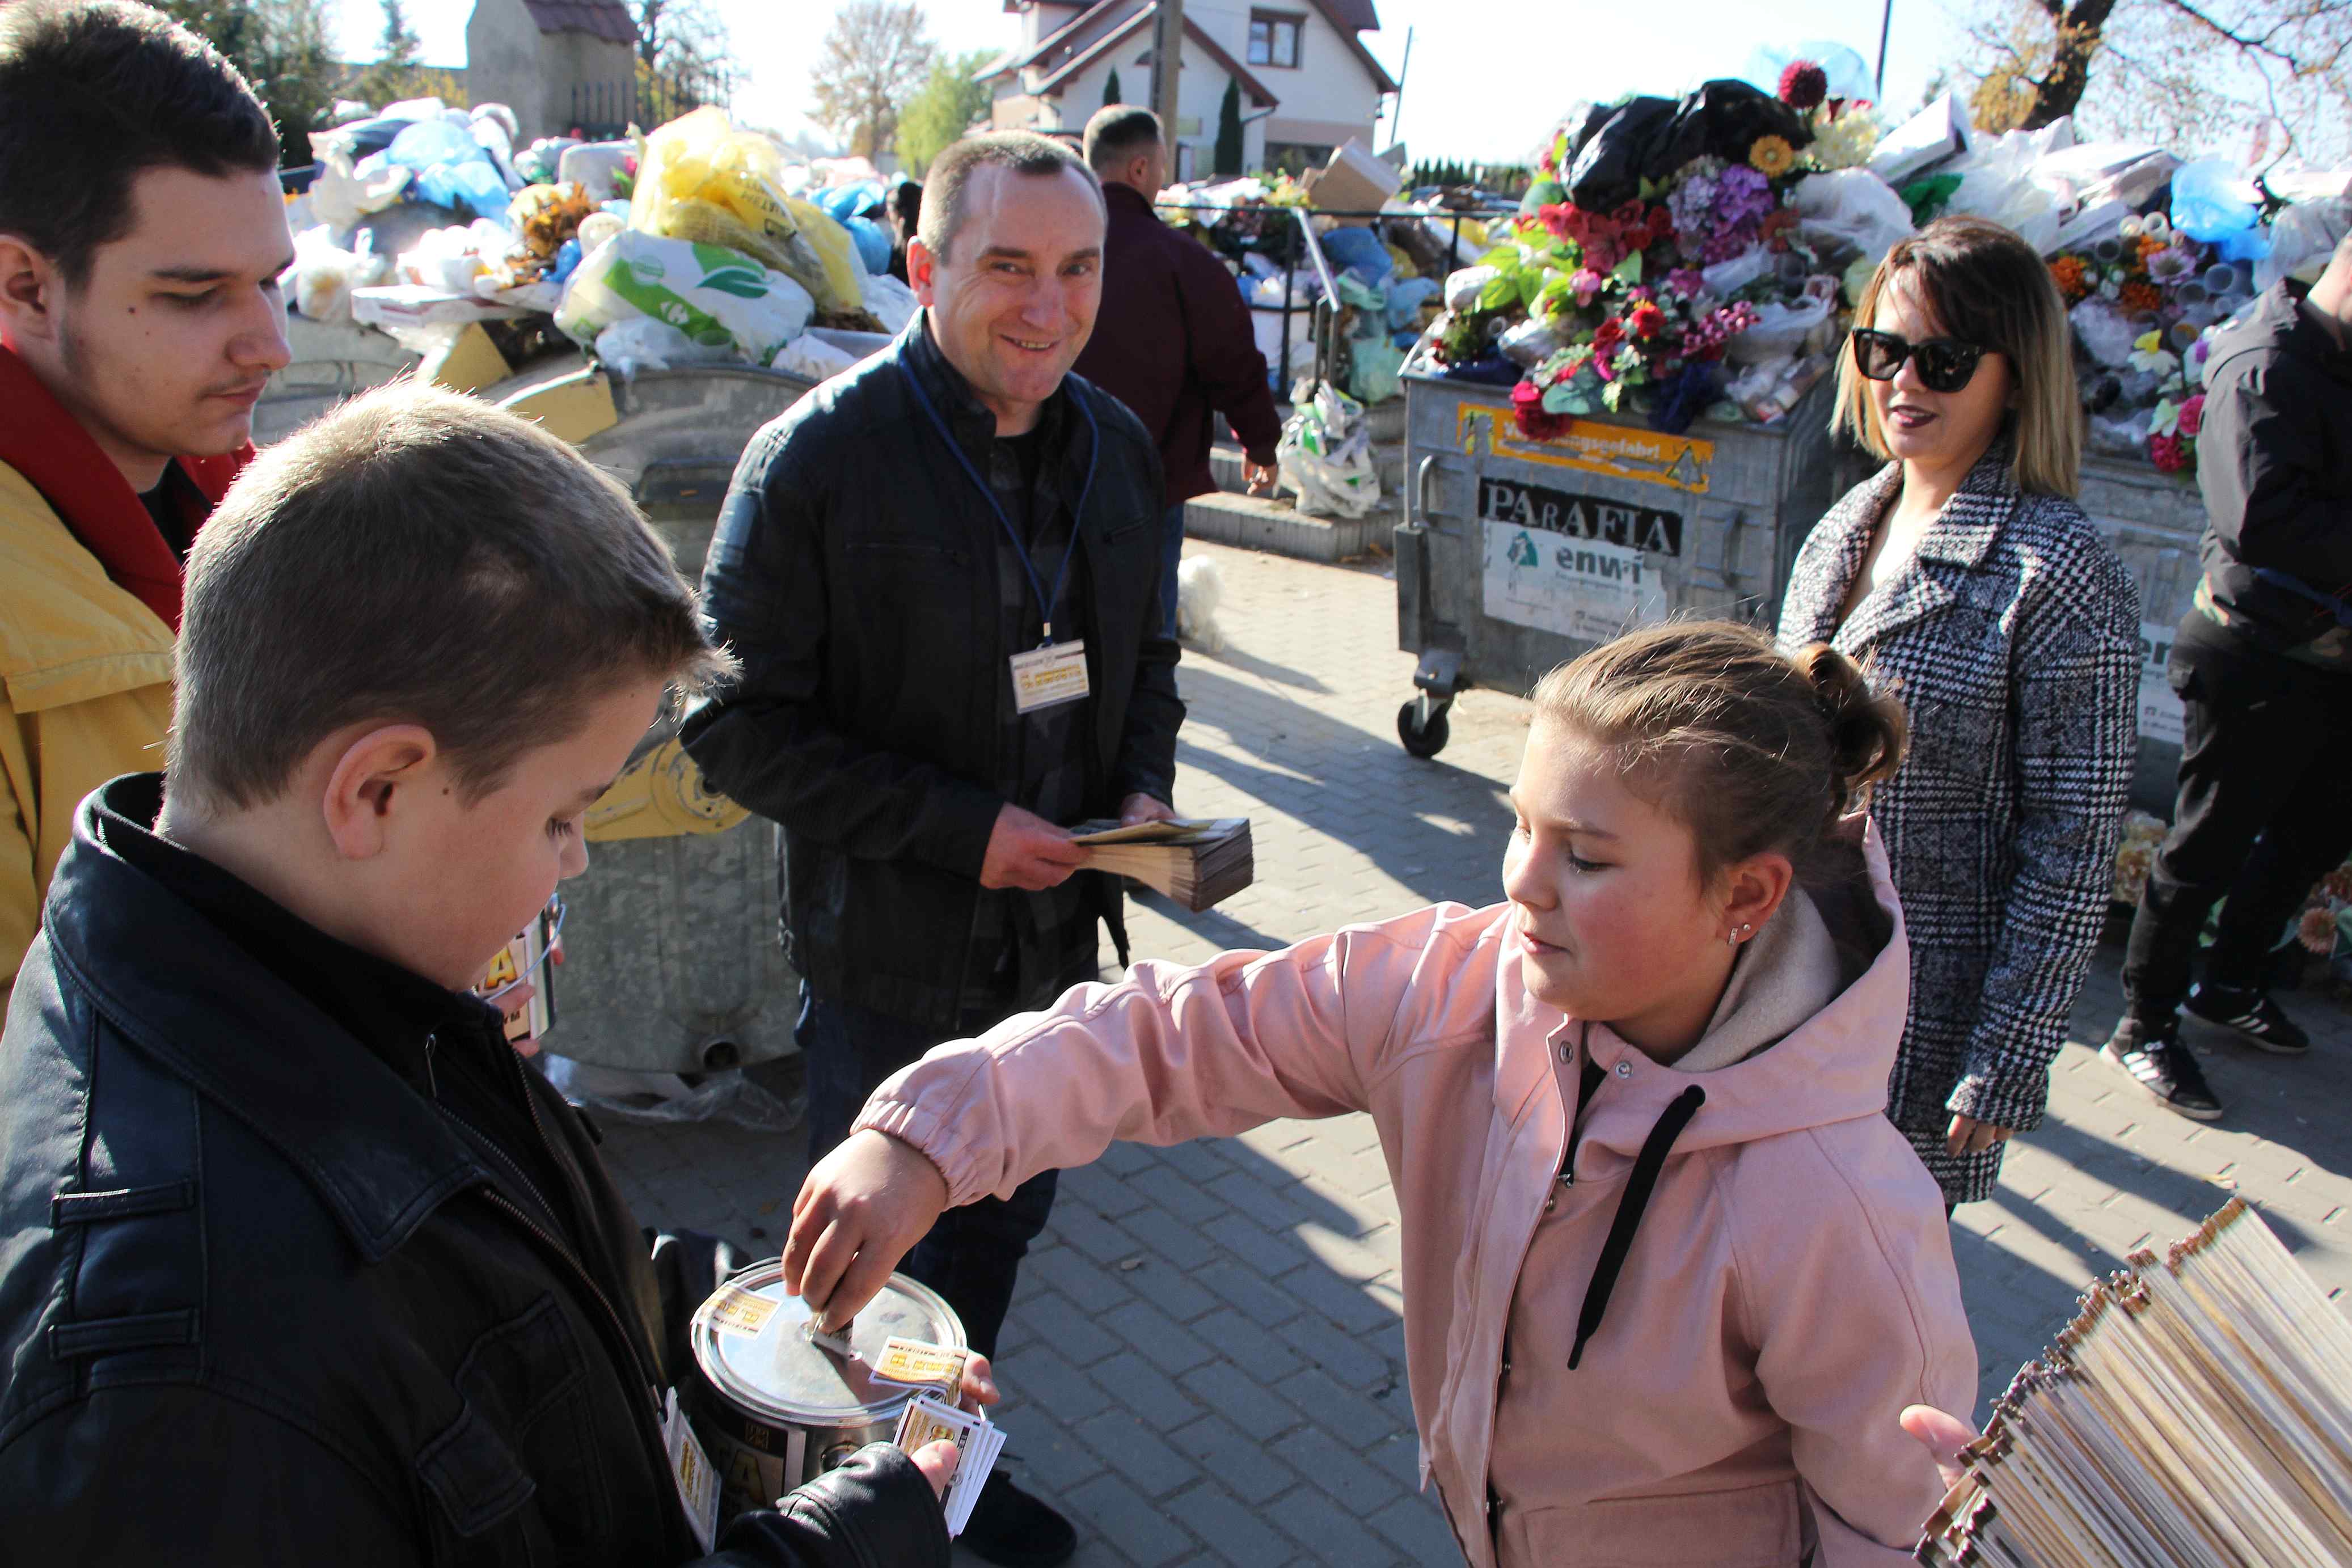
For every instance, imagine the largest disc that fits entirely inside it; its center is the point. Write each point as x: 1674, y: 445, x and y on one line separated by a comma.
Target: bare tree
x: 2177, y: 71
x: 876, y: 56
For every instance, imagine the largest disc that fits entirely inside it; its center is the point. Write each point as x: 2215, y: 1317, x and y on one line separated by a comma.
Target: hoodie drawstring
x: 1636, y: 1199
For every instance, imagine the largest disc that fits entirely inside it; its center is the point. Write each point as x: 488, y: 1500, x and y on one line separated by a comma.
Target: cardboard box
x: 1354, y: 182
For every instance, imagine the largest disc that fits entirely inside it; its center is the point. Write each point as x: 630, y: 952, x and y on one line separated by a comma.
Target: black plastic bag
x: 1651, y: 137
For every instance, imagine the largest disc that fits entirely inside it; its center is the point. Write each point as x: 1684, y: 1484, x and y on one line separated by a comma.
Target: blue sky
x: 1487, y: 78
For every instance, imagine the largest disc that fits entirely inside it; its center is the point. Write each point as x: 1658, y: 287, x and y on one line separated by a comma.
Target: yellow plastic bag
x: 703, y: 180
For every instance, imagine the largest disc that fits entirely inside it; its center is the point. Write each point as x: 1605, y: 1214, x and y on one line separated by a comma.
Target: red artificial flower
x: 2167, y: 453
x: 1558, y: 219
x: 1608, y: 339
x: 2192, y: 414
x: 1803, y: 85
x: 1528, y: 411
x: 1645, y: 318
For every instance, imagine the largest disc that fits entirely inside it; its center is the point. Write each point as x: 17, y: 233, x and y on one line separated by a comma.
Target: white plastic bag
x: 1780, y: 330
x: 811, y: 357
x: 717, y: 297
x: 1912, y: 148
x: 1325, y: 456
x: 1997, y: 181
x: 661, y: 1098
x: 2303, y: 235
x: 1463, y: 288
x: 889, y: 301
x: 320, y: 281
x: 1854, y: 206
x: 642, y: 343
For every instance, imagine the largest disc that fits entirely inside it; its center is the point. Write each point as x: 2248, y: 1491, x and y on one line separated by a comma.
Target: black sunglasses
x: 1946, y: 364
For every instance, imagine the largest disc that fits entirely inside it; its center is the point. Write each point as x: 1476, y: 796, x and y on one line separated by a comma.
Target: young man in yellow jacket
x: 141, y: 236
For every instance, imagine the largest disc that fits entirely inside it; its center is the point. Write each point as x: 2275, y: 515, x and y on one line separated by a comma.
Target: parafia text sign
x: 1572, y: 564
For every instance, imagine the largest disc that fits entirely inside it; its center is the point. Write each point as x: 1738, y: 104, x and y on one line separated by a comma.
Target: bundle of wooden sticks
x: 2197, y: 1411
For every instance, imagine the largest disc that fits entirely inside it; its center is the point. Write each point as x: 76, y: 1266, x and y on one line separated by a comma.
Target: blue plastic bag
x: 2207, y: 206
x: 474, y: 186
x: 873, y: 245
x: 842, y: 203
x: 1359, y: 250
x: 431, y: 141
x: 567, y: 260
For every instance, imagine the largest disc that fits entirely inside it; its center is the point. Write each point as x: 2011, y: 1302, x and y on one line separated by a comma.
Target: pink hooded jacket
x: 1720, y: 1385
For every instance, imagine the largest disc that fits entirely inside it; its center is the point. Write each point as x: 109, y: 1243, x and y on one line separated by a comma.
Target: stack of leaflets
x: 2198, y: 1411
x: 1196, y: 862
x: 934, y: 1416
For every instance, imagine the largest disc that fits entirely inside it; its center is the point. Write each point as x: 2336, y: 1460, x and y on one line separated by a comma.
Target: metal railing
x: 1323, y: 311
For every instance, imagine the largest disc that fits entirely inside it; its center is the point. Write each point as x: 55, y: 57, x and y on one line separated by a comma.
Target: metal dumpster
x: 1516, y: 555
x: 672, y: 957
x: 2154, y: 522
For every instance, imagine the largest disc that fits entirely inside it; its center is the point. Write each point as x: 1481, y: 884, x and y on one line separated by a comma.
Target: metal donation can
x: 776, y: 1410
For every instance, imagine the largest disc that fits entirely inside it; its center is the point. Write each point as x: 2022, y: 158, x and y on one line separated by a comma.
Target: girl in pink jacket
x: 1670, y: 1274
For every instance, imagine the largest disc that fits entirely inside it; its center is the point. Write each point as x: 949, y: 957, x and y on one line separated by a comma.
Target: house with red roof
x: 1308, y: 81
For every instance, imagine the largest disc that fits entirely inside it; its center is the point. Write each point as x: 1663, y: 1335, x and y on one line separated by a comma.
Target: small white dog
x: 1199, y: 588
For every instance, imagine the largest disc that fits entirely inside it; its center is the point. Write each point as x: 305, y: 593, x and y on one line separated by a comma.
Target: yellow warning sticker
x: 1621, y: 452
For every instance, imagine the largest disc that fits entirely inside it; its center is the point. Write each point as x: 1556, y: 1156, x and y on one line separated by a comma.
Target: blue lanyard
x: 1093, y: 449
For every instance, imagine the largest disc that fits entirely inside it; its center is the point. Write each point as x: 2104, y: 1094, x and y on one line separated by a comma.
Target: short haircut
x: 1022, y: 153
x: 1116, y: 134
x: 94, y: 93
x: 1991, y: 287
x: 418, y: 557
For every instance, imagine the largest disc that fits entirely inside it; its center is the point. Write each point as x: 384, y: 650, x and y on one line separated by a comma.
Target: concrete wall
x: 508, y: 60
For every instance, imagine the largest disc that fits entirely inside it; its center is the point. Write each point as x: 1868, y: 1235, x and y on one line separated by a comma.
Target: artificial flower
x: 2172, y: 266
x: 1803, y: 85
x: 2149, y: 353
x: 2168, y: 453
x: 1771, y: 156
x: 2149, y: 244
x: 2192, y: 414
x: 1528, y: 411
x: 1585, y: 283
x: 2067, y: 273
x: 1847, y: 140
x: 1687, y: 281
x: 1645, y: 318
x: 2138, y: 297
x: 1777, y: 225
x: 2316, y: 932
x: 1607, y: 337
x: 2164, y: 419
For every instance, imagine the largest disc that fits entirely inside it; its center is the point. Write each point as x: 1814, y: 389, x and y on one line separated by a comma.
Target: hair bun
x: 1867, y: 729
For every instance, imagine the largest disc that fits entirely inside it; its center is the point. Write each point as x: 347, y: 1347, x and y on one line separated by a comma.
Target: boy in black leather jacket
x: 298, y: 1262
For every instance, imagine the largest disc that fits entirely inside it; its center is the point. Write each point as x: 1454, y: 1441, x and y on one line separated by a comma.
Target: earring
x: 1733, y: 940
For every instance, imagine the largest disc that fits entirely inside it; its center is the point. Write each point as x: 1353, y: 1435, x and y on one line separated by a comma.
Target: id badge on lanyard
x: 1054, y: 671
x: 1045, y: 677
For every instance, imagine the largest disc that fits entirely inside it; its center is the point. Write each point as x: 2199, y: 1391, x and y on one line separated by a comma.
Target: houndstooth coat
x: 2012, y: 637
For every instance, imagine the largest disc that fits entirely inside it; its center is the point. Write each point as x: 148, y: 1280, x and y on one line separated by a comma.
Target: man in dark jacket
x: 2264, y: 665
x: 939, y: 572
x: 1173, y: 341
x: 299, y: 1262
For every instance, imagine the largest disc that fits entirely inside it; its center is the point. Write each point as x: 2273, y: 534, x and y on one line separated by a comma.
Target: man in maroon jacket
x: 1173, y: 341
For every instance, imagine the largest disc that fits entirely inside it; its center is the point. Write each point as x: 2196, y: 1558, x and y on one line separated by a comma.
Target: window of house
x: 1274, y: 38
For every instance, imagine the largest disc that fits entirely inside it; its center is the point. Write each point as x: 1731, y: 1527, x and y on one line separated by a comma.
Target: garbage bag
x: 716, y: 297
x: 1854, y: 206
x: 2304, y: 234
x: 593, y: 167
x: 2210, y: 204
x: 888, y: 301
x: 474, y: 186
x: 1463, y: 287
x: 873, y: 245
x: 703, y: 180
x: 1375, y: 373
x: 1325, y: 456
x: 1938, y: 132
x: 1359, y: 251
x: 669, y: 1098
x: 429, y: 141
x: 1650, y: 138
x: 811, y: 358
x: 859, y: 199
x: 1997, y: 183
x: 642, y: 343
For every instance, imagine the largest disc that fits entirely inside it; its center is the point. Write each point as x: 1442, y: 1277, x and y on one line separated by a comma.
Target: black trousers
x: 971, y: 1256
x: 2265, y: 812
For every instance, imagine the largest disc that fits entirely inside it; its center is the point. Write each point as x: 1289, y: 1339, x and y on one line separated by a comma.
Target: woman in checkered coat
x: 1963, y: 573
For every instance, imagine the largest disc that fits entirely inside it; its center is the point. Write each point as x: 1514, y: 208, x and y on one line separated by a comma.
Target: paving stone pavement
x: 1206, y: 1363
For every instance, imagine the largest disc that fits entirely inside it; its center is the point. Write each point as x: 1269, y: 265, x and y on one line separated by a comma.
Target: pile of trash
x: 698, y: 243
x: 1700, y: 259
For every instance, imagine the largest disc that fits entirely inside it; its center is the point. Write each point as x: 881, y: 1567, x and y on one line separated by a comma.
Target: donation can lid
x: 748, y: 1340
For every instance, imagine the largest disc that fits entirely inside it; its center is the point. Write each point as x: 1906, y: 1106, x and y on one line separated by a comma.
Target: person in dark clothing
x: 302, y: 1263
x: 941, y: 573
x: 903, y: 209
x: 2263, y: 662
x: 1173, y: 339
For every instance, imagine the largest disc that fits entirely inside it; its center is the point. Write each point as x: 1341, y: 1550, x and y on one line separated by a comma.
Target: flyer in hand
x: 1197, y: 861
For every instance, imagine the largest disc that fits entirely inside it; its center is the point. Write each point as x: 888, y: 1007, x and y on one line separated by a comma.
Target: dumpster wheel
x: 1421, y: 727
